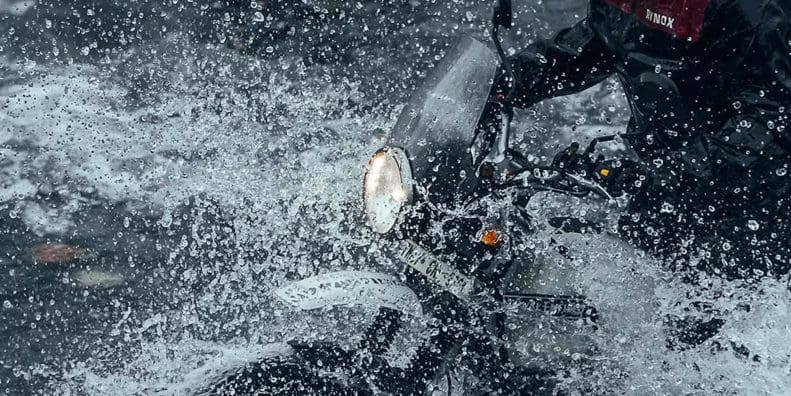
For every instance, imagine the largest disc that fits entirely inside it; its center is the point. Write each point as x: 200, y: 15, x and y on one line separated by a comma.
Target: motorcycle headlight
x: 387, y: 186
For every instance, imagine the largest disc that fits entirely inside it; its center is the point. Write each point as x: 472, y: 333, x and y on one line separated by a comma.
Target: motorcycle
x: 445, y: 198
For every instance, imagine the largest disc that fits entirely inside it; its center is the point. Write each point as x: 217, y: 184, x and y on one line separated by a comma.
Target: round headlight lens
x: 386, y: 188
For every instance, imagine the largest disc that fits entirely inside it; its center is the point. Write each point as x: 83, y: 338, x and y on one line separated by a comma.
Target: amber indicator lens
x: 491, y: 238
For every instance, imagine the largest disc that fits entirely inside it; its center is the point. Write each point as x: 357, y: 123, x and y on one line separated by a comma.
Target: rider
x: 709, y: 87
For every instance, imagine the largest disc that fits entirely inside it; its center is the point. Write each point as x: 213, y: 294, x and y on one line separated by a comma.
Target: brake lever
x: 591, y: 186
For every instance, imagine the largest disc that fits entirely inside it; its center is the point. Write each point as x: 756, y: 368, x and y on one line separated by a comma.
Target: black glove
x: 602, y: 171
x: 573, y: 161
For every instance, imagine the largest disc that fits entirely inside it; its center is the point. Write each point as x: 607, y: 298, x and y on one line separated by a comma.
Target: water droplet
x: 270, y: 49
x: 258, y: 17
x: 7, y: 304
x: 166, y: 220
x: 781, y: 171
x: 753, y: 225
x: 737, y: 105
x: 726, y: 246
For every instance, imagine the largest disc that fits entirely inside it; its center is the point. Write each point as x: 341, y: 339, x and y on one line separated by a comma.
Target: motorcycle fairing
x: 437, y: 126
x: 351, y: 288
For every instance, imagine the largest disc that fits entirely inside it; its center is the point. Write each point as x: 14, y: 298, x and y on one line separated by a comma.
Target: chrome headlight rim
x: 406, y: 193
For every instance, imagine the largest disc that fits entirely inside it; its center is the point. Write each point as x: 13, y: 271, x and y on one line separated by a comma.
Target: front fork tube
x: 380, y: 335
x: 459, y: 334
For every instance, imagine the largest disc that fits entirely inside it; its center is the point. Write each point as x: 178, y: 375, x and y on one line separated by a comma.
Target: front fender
x: 351, y: 288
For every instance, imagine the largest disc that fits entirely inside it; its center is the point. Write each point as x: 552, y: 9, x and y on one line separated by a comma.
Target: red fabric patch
x: 681, y: 18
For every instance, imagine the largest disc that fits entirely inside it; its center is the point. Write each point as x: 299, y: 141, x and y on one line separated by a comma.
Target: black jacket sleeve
x: 745, y: 160
x: 572, y: 61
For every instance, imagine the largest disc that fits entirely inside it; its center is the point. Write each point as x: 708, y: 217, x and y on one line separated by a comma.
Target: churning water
x: 165, y: 164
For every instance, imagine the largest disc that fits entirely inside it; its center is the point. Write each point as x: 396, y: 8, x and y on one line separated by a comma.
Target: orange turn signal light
x: 491, y: 238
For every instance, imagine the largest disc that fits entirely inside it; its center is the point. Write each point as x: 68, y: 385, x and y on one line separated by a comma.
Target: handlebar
x: 544, y: 178
x: 512, y: 170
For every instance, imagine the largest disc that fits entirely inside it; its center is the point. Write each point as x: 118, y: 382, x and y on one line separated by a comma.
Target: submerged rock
x: 57, y: 253
x: 100, y: 279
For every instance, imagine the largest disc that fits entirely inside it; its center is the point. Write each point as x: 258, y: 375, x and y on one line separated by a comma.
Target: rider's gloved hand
x: 571, y: 160
x: 577, y: 162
